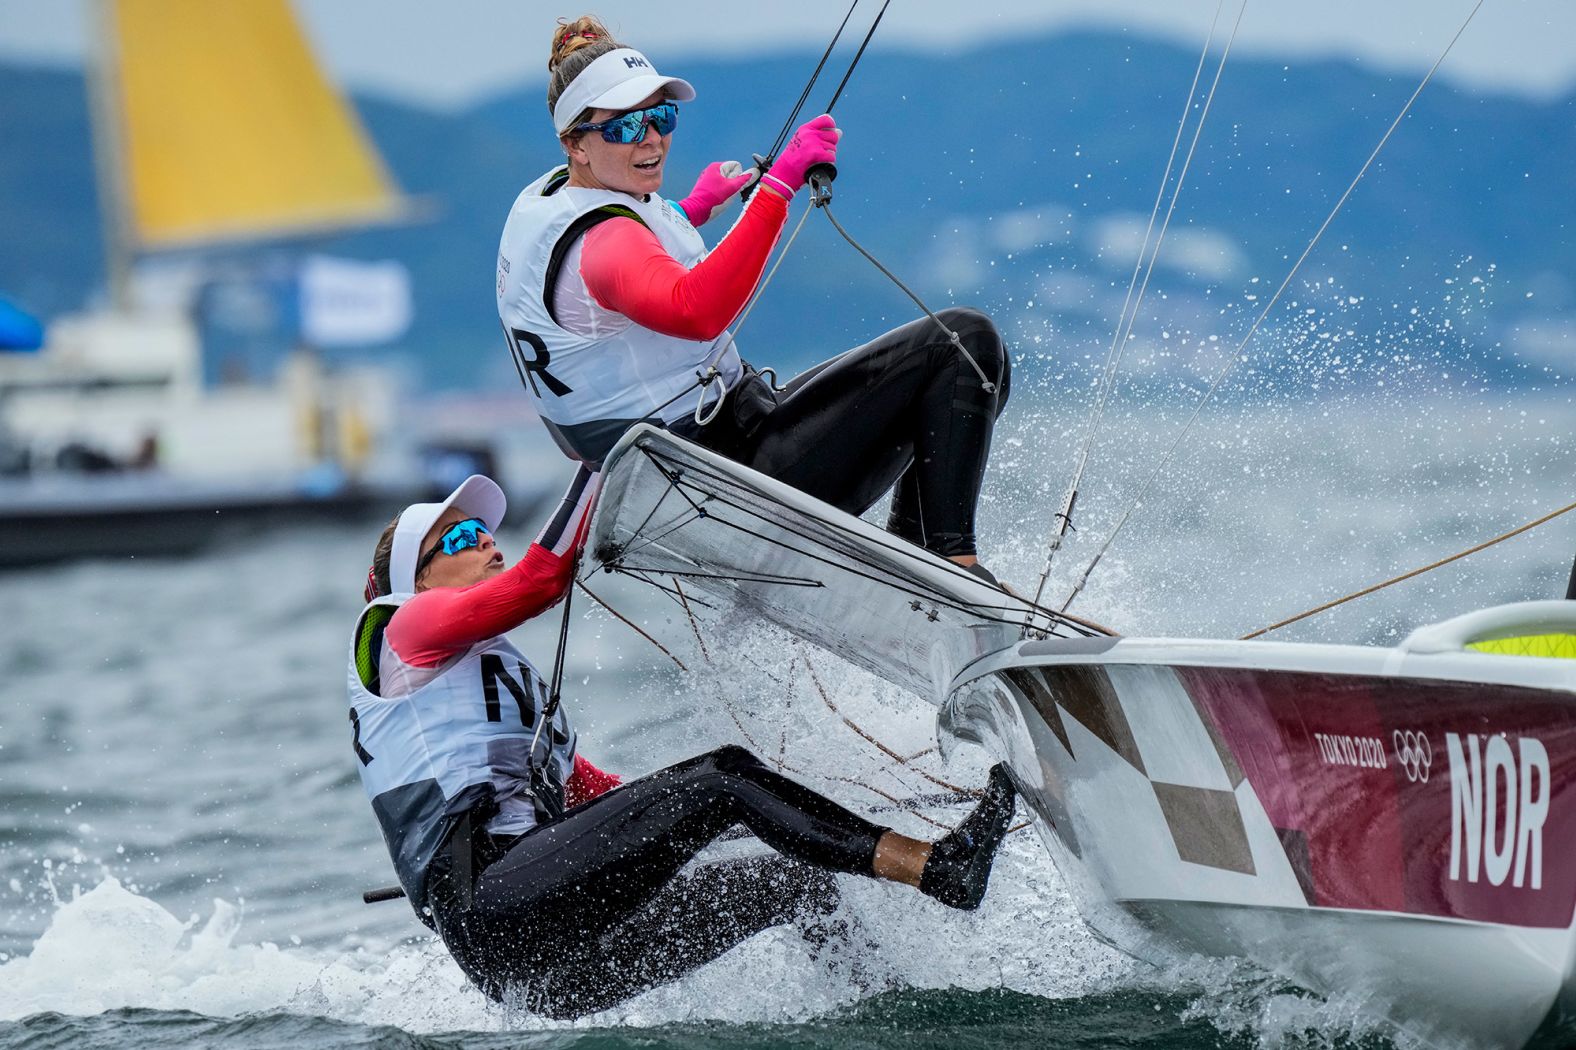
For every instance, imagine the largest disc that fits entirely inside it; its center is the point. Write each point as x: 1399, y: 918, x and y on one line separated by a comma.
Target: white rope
x: 760, y: 289
x: 1237, y: 355
x: 708, y: 373
x: 1118, y: 339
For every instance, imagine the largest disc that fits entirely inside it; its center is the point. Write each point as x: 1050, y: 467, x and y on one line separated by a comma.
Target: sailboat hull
x: 1391, y: 829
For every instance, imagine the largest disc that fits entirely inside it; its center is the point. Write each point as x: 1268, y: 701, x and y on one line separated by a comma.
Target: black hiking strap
x: 461, y: 855
x: 555, y: 181
x: 555, y: 693
x: 576, y: 230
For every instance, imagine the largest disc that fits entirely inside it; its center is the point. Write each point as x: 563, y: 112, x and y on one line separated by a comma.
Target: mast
x: 109, y: 151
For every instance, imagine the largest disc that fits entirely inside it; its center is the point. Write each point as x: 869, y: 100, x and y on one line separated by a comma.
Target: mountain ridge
x: 999, y: 176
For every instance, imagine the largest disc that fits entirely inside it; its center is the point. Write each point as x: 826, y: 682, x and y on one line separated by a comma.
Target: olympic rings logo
x: 1414, y: 753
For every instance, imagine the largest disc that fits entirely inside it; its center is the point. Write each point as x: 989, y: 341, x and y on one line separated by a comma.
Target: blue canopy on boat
x: 19, y: 330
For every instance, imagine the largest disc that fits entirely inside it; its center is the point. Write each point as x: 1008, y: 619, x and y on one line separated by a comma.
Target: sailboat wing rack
x: 683, y: 518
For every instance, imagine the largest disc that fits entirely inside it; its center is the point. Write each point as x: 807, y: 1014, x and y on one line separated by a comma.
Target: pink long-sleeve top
x: 435, y: 626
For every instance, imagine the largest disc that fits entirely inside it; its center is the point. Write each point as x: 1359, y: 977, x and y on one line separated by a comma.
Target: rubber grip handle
x: 819, y: 179
x: 387, y: 893
x: 761, y: 164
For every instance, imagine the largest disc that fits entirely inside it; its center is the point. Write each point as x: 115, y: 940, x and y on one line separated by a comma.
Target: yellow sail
x: 228, y: 129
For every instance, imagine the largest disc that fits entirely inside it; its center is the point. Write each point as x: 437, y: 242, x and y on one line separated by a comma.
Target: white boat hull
x: 1390, y: 827
x: 1248, y: 800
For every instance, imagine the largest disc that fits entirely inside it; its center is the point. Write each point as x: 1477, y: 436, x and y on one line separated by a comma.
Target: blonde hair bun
x: 571, y: 36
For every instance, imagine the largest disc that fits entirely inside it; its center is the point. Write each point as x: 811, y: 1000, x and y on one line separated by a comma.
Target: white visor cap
x: 477, y: 497
x: 617, y: 80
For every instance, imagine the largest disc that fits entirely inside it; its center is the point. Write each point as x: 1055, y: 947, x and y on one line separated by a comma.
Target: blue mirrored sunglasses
x: 461, y: 536
x: 631, y: 127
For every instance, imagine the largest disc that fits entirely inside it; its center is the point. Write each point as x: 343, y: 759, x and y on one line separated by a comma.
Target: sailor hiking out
x: 545, y: 876
x: 616, y: 312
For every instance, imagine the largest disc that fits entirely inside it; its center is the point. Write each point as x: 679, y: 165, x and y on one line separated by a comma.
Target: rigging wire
x: 912, y: 804
x: 626, y: 621
x: 858, y: 55
x: 555, y: 693
x: 709, y: 374
x: 820, y: 178
x: 1118, y: 338
x: 954, y: 795
x: 1236, y: 355
x: 782, y: 136
x: 1408, y: 575
x: 695, y: 474
x: 885, y: 749
x: 985, y: 381
x: 700, y: 639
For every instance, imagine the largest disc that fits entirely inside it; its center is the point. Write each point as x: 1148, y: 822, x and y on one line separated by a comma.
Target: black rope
x: 913, y: 588
x: 675, y: 596
x: 957, y: 343
x: 672, y: 525
x: 674, y: 477
x: 821, y: 197
x: 782, y: 136
x: 857, y: 56
x: 738, y: 576
x: 556, y: 692
x: 668, y: 528
x: 654, y: 508
x: 674, y: 473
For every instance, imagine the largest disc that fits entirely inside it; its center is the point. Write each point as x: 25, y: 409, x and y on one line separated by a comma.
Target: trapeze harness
x: 455, y: 754
x: 590, y: 388
x: 904, y: 410
x: 577, y: 910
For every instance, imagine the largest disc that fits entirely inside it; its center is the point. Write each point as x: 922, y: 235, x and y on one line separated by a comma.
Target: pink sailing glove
x: 715, y: 188
x: 814, y: 143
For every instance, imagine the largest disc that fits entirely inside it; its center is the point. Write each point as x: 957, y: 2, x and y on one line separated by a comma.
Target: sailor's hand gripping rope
x: 819, y: 178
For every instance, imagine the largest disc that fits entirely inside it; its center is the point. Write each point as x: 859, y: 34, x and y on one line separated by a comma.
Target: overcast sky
x: 451, y: 53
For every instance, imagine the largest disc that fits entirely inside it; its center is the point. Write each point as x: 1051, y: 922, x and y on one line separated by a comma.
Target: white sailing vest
x: 459, y: 741
x: 589, y: 389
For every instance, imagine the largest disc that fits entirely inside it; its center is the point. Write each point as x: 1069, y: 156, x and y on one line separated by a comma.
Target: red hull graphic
x: 1436, y: 798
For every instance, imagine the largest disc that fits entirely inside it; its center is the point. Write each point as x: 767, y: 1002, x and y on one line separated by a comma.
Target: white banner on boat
x: 347, y: 302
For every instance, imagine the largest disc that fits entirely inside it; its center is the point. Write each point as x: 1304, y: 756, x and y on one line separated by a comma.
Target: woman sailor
x: 614, y: 308
x: 541, y: 872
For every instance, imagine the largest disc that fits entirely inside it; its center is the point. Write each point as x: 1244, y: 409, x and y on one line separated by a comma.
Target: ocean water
x: 183, y: 839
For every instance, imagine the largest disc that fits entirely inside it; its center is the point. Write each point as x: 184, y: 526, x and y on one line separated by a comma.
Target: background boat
x: 145, y: 425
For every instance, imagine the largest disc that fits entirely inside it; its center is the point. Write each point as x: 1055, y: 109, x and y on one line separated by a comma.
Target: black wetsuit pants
x: 905, y: 409
x: 581, y: 913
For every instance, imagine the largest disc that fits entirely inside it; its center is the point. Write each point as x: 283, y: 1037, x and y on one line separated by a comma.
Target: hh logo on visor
x: 637, y: 63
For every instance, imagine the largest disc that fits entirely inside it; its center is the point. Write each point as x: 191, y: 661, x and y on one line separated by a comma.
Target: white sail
x: 683, y: 518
